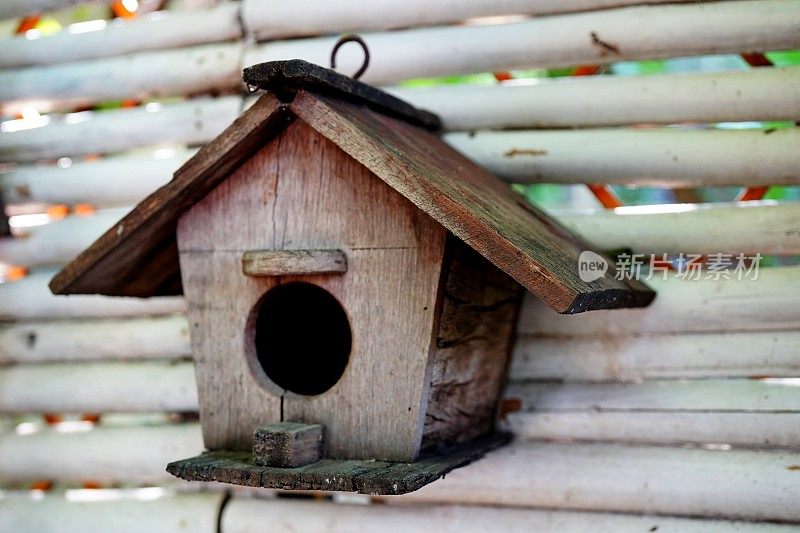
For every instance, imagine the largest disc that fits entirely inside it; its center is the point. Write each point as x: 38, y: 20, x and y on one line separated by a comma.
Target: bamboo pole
x: 638, y: 357
x: 180, y: 71
x: 709, y: 395
x: 663, y: 156
x: 248, y: 516
x: 109, y: 182
x: 164, y: 337
x: 101, y: 454
x: 684, y: 305
x: 272, y: 18
x: 31, y: 299
x: 121, y: 510
x: 153, y: 31
x: 98, y: 387
x: 642, y: 32
x: 19, y: 8
x: 735, y: 96
x: 632, y: 479
x: 715, y: 430
x: 692, y: 229
x: 191, y: 122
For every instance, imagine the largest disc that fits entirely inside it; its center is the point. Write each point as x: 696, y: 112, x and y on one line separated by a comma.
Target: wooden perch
x: 293, y: 262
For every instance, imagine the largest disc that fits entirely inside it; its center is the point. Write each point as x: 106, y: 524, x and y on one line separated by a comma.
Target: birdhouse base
x: 365, y: 477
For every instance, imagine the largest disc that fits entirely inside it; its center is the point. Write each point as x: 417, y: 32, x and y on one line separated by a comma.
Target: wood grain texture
x: 288, y: 444
x: 365, y: 477
x: 303, y: 192
x: 474, y: 205
x: 293, y: 262
x: 139, y: 256
x: 479, y: 308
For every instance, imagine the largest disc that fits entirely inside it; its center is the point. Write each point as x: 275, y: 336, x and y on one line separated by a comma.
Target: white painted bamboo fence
x: 684, y: 416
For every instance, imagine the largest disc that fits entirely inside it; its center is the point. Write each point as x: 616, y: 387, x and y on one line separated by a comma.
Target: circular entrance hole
x: 302, y: 338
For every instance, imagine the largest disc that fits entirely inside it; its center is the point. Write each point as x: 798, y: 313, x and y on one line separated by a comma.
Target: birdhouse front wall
x: 301, y: 192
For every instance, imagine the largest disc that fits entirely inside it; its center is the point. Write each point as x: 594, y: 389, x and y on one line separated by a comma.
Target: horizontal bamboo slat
x: 684, y: 306
x: 109, y: 182
x: 273, y: 18
x: 639, y: 357
x: 247, y: 516
x: 717, y: 430
x: 663, y: 156
x: 592, y: 101
x: 134, y: 510
x: 161, y: 30
x: 639, y: 479
x: 708, y: 395
x: 98, y: 387
x: 102, y: 454
x: 109, y: 339
x: 179, y: 71
x: 191, y: 122
x: 19, y: 8
x: 31, y: 299
x: 123, y: 510
x: 766, y: 228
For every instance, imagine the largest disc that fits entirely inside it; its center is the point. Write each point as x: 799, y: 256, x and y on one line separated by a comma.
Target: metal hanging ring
x: 356, y: 39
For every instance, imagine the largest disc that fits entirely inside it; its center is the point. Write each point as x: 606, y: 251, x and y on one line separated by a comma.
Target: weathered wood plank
x: 470, y: 359
x: 476, y: 207
x: 293, y: 262
x: 365, y: 477
x: 288, y: 444
x: 147, y: 235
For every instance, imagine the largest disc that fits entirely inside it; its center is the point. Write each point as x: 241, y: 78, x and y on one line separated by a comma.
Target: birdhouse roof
x: 138, y: 256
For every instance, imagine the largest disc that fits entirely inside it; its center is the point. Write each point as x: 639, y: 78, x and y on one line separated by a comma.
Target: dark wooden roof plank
x: 138, y: 256
x: 473, y: 204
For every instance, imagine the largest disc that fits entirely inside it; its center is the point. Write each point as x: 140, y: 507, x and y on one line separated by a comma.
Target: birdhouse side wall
x: 473, y: 343
x: 301, y: 192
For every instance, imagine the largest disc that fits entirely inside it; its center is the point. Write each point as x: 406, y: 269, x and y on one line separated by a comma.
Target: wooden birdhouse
x: 351, y: 284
